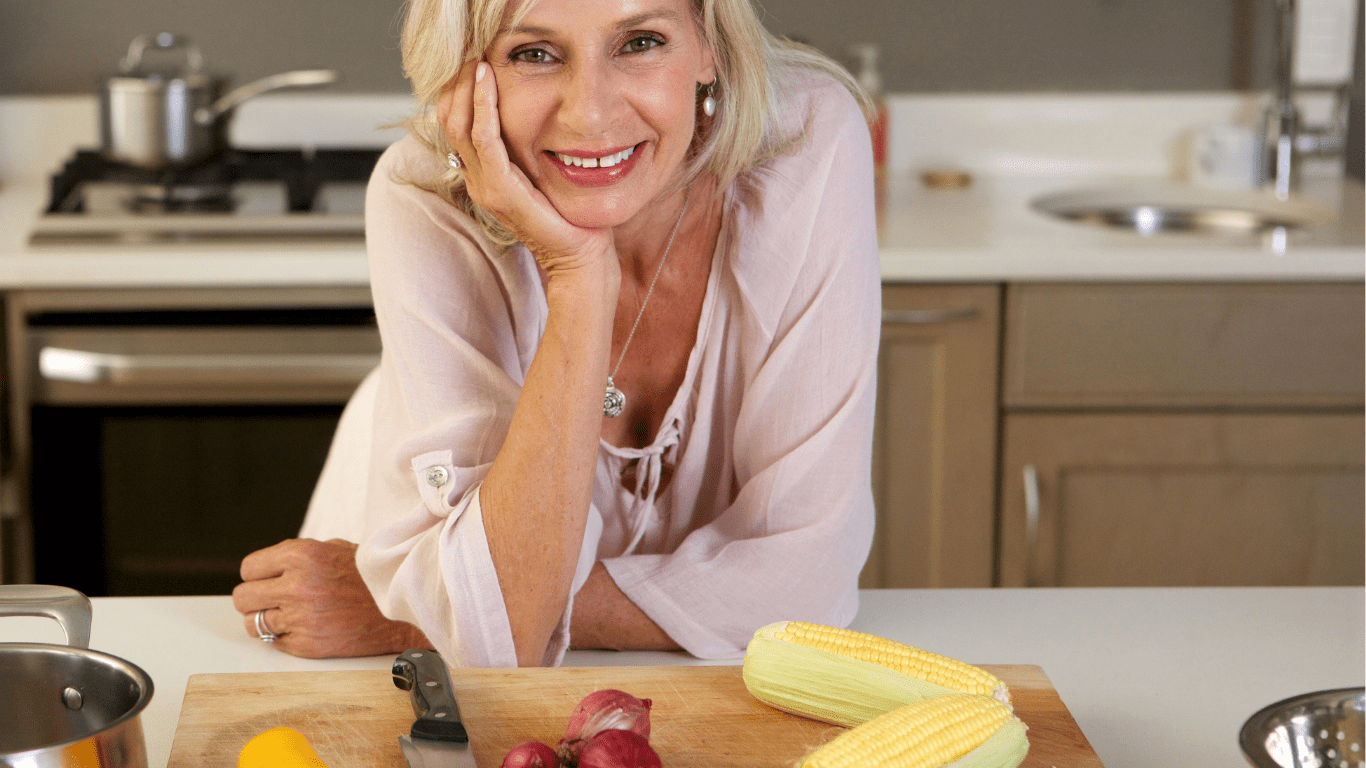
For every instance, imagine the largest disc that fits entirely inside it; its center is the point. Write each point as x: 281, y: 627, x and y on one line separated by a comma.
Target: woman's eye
x: 531, y: 56
x: 641, y: 43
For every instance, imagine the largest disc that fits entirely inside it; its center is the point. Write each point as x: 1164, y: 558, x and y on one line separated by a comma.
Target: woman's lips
x: 598, y: 170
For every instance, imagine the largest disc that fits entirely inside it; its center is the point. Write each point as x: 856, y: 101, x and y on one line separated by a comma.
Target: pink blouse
x: 753, y: 502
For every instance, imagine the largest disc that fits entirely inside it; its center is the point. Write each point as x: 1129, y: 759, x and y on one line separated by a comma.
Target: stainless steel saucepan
x: 172, y: 113
x: 66, y: 705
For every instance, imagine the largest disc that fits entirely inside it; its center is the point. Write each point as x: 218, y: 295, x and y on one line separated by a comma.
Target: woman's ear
x: 706, y: 70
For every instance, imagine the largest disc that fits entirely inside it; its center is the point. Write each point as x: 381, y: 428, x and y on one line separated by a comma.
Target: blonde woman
x: 625, y: 270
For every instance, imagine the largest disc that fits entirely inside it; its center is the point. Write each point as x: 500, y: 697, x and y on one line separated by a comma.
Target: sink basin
x: 1152, y: 209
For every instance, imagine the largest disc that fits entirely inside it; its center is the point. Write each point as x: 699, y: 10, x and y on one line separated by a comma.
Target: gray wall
x: 68, y: 46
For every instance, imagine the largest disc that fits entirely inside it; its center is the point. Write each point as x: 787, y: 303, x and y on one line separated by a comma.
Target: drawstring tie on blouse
x: 649, y: 474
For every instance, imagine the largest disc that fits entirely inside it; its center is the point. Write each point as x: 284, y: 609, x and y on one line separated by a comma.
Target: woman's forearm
x: 536, y: 496
x: 604, y: 617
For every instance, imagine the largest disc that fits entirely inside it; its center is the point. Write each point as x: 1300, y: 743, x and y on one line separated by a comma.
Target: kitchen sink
x: 1150, y: 209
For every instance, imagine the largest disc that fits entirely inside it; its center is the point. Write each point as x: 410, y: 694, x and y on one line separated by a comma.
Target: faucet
x: 1285, y: 142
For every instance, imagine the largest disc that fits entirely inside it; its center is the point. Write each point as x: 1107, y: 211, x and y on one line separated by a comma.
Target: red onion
x: 618, y: 749
x: 601, y: 711
x: 531, y: 754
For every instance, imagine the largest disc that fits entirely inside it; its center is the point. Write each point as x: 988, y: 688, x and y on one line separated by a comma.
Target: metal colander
x: 1325, y: 729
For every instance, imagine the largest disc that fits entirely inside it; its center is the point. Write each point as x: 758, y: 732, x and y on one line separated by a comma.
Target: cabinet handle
x: 929, y: 316
x: 1031, y: 492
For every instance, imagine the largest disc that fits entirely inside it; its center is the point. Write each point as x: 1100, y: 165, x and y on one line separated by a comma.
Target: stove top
x: 246, y: 195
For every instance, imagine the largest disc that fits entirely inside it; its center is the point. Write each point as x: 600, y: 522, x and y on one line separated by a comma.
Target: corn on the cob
x: 957, y: 730
x: 847, y: 678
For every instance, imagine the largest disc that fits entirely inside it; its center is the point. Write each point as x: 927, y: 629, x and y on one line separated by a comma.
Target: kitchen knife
x: 438, y: 738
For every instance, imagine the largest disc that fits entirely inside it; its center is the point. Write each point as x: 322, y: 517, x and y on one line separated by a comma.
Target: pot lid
x: 188, y: 66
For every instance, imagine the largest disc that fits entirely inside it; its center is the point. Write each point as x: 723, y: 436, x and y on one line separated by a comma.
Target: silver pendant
x: 613, y: 401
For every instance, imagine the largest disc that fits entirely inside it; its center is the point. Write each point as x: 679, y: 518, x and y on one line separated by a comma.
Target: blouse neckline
x: 668, y: 434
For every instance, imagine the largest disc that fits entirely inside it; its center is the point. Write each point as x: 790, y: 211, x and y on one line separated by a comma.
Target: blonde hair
x: 440, y: 36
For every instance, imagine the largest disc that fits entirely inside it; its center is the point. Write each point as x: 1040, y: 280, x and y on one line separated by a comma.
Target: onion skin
x: 531, y: 754
x: 615, y: 748
x: 601, y: 711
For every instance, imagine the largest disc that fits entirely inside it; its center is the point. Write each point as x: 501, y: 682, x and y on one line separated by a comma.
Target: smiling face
x: 597, y: 101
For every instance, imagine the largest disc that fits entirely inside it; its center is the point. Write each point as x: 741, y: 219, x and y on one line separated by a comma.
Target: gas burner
x: 301, y: 172
x: 180, y: 198
x: 260, y: 195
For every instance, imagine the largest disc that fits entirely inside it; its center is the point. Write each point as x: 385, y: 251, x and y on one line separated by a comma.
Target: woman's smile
x: 589, y: 169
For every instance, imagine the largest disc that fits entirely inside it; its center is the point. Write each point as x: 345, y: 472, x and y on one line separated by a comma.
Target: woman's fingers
x: 468, y: 113
x: 454, y: 112
x: 494, y: 181
x: 266, y: 563
x: 486, y: 132
x: 319, y: 606
x: 271, y: 620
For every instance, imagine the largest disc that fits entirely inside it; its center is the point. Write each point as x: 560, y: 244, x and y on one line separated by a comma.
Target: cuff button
x: 437, y: 476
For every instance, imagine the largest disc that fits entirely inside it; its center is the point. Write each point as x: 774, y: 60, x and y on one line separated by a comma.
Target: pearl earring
x: 709, y: 103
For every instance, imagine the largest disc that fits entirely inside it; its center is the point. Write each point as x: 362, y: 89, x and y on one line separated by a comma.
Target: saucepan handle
x: 70, y: 608
x: 301, y: 78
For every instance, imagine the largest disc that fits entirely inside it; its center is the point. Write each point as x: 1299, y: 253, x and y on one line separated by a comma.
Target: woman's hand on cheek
x: 468, y: 111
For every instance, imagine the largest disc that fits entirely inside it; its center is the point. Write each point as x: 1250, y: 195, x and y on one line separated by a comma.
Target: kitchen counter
x: 986, y: 233
x: 1152, y: 676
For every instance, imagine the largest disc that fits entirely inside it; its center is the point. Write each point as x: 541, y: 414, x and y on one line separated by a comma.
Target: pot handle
x: 166, y: 41
x: 300, y: 78
x: 70, y: 608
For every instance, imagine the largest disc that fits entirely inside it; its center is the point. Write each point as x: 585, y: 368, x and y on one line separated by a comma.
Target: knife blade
x: 438, y: 738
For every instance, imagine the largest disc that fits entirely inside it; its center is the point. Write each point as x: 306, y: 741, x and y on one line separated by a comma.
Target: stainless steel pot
x: 173, y: 113
x: 66, y: 706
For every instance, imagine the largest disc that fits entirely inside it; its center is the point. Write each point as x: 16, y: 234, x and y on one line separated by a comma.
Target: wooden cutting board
x: 702, y: 717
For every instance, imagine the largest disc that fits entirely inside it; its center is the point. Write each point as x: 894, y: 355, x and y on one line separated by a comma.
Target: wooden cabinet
x: 1178, y: 499
x: 1183, y: 346
x: 1183, y: 435
x: 934, y: 454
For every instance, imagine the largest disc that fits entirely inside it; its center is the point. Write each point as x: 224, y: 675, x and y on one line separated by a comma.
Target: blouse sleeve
x: 458, y: 320
x: 795, y: 530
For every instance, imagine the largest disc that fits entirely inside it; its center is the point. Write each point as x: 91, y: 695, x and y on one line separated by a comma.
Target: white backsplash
x: 1065, y: 134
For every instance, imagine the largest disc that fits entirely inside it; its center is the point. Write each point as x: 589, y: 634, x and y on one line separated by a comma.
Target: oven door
x: 164, y: 452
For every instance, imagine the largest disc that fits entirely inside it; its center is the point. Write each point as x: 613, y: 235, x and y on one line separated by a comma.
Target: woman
x: 627, y: 283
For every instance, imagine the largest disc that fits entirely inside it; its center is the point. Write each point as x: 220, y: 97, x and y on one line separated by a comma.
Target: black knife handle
x: 424, y: 673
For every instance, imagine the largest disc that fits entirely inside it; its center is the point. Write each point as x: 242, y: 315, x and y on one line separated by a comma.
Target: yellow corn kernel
x: 906, y: 659
x: 847, y: 678
x: 962, y: 730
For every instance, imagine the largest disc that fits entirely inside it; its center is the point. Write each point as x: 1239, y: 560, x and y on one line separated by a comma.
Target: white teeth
x: 596, y: 162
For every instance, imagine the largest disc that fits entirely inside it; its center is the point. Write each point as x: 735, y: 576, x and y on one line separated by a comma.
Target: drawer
x: 1184, y: 345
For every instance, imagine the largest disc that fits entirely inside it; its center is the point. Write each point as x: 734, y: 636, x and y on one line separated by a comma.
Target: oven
x: 156, y: 436
x: 163, y: 435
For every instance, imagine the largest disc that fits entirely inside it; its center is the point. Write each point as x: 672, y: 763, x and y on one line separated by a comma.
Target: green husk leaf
x: 825, y: 686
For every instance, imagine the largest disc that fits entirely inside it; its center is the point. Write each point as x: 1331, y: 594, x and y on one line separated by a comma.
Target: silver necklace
x: 614, y: 401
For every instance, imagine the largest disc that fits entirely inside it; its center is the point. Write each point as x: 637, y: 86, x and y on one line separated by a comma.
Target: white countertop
x: 986, y: 233
x: 1153, y: 676
x: 990, y: 233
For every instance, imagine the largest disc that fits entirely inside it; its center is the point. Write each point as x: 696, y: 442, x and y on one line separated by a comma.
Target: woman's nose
x: 591, y: 99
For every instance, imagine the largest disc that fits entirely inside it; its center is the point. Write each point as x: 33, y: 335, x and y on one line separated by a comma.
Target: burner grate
x: 204, y: 188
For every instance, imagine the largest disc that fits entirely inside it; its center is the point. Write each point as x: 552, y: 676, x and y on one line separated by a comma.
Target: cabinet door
x: 934, y: 453
x: 1182, y: 500
x: 1205, y: 345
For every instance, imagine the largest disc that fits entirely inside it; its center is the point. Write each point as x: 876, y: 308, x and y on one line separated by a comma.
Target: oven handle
x: 84, y: 367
